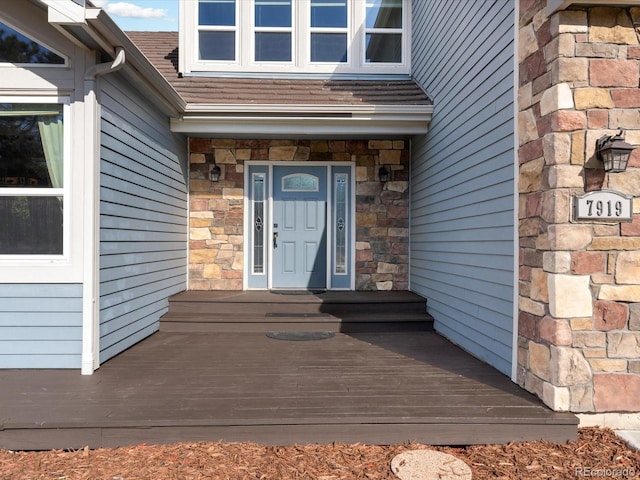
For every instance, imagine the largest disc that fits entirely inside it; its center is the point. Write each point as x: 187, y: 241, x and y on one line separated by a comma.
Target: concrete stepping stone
x: 429, y: 465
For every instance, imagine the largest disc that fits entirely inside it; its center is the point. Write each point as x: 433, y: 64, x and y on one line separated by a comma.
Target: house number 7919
x: 606, y: 205
x: 596, y: 208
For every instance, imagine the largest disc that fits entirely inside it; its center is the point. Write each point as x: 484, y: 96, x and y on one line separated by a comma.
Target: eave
x: 92, y: 28
x: 303, y: 121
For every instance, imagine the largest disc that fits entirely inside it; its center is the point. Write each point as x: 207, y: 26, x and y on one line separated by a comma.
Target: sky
x: 142, y: 15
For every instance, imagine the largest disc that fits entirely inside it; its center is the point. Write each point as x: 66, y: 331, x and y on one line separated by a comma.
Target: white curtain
x: 51, y: 135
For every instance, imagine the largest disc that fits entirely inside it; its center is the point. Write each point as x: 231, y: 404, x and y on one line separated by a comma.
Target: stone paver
x: 429, y: 465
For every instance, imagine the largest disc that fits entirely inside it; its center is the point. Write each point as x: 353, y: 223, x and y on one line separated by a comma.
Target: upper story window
x: 296, y: 36
x: 16, y: 48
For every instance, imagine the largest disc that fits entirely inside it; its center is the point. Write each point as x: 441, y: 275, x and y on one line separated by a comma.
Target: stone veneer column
x: 216, y: 217
x: 579, y: 306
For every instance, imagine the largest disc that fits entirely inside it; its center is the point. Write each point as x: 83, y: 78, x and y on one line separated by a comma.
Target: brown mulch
x: 597, y: 453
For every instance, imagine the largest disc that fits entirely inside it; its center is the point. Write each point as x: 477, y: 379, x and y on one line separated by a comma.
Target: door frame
x: 247, y: 219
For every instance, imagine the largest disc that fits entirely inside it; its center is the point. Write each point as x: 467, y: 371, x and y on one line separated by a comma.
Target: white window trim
x: 245, y: 49
x: 64, y: 268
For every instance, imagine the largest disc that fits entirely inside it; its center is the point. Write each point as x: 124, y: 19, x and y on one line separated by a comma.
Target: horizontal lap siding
x: 143, y: 218
x: 462, y: 182
x: 40, y: 325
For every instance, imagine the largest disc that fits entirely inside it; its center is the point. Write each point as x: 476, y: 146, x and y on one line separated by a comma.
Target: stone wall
x: 216, y: 217
x: 579, y: 306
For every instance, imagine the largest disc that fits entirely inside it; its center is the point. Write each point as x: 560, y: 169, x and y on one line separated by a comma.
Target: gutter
x: 304, y: 120
x: 92, y: 27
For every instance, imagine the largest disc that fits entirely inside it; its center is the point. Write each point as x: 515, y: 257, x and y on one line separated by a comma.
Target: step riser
x: 261, y: 311
x: 246, y: 327
x: 206, y: 308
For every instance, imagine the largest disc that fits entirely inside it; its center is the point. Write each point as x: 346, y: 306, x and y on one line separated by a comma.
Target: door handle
x: 275, y: 239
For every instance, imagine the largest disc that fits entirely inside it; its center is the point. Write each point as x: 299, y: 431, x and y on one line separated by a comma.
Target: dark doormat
x: 300, y: 336
x: 298, y: 292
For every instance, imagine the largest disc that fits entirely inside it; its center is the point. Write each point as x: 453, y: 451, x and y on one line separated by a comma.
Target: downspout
x: 516, y: 203
x: 91, y: 213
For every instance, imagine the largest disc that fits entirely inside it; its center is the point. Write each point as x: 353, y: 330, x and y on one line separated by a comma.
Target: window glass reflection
x: 384, y: 14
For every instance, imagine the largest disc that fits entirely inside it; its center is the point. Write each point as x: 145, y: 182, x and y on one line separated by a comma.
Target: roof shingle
x: 161, y: 49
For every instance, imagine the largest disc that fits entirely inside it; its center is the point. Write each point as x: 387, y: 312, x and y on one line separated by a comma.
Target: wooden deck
x: 378, y: 387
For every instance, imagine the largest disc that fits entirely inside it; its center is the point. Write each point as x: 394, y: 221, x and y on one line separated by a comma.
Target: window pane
x: 329, y: 13
x: 340, y: 232
x: 329, y: 47
x: 258, y: 223
x: 384, y: 14
x: 300, y: 182
x: 384, y: 48
x: 273, y: 47
x: 16, y: 48
x: 31, y: 141
x: 217, y: 46
x: 217, y: 12
x: 273, y: 13
x: 35, y: 225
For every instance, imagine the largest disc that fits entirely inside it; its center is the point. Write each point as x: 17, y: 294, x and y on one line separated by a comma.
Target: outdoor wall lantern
x: 383, y: 174
x: 215, y: 171
x: 614, y: 152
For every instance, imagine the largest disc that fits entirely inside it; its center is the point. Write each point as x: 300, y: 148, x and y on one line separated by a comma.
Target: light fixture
x: 614, y: 152
x: 383, y: 175
x: 214, y: 175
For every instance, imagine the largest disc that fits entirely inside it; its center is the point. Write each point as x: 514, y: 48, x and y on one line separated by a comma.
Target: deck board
x: 366, y: 387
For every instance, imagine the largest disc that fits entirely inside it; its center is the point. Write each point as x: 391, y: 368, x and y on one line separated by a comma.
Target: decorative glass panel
x: 217, y: 45
x: 17, y: 48
x: 273, y: 13
x: 384, y: 48
x: 329, y: 47
x: 300, y: 182
x: 273, y: 47
x: 258, y: 222
x: 217, y: 13
x: 329, y: 13
x: 340, y: 233
x: 384, y: 14
x: 31, y: 225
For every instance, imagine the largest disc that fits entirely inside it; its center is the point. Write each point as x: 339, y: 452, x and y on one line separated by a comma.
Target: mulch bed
x: 598, y: 453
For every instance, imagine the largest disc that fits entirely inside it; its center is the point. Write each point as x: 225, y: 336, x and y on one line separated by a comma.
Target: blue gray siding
x: 40, y: 325
x: 143, y: 217
x: 462, y: 180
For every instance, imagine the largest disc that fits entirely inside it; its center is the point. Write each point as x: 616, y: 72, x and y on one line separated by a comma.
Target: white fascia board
x: 103, y: 26
x: 97, y: 24
x: 300, y: 126
x: 554, y: 6
x: 64, y: 12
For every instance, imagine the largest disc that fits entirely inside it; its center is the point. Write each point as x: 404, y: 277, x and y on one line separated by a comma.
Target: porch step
x: 259, y: 311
